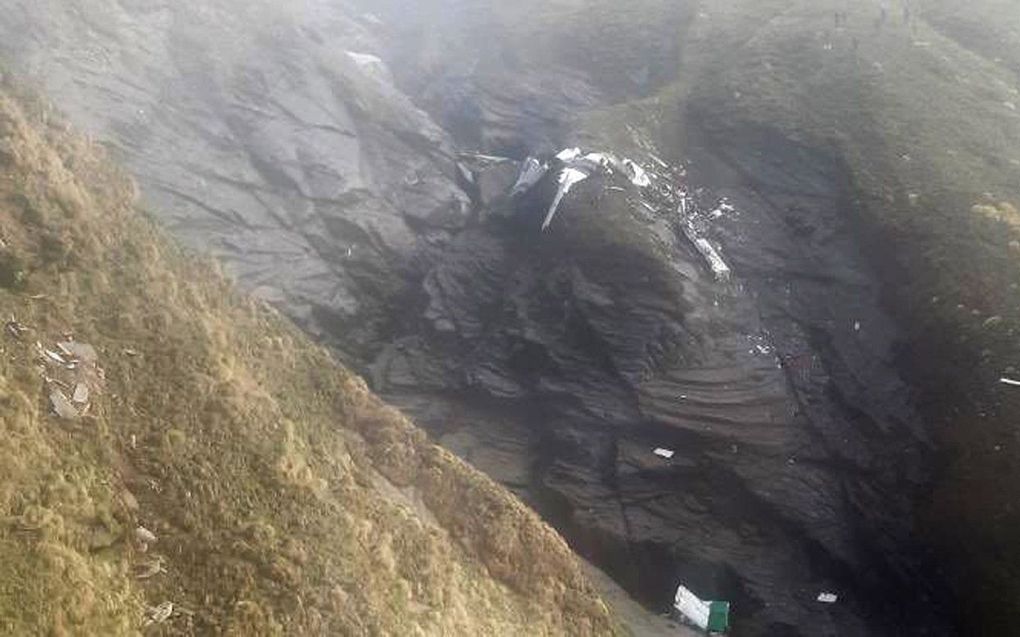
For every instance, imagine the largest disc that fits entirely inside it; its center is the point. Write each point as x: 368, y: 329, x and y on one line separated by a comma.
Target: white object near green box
x: 713, y: 617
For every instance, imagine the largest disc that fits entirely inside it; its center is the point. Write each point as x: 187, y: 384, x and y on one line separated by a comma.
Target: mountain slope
x: 283, y: 496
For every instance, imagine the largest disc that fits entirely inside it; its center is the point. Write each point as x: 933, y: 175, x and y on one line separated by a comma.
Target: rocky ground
x: 316, y: 148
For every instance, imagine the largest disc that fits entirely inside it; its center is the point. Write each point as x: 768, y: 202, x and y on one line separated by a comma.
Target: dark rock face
x: 557, y: 362
x: 261, y: 140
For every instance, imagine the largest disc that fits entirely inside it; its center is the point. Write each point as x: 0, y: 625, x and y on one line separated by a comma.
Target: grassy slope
x: 286, y: 498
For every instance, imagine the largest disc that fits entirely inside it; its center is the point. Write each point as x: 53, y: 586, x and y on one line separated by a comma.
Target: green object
x: 718, y: 617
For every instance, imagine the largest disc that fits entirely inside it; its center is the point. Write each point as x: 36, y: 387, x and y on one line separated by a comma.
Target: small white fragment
x: 664, y: 453
x: 1010, y: 381
x: 828, y: 598
x: 145, y: 536
x: 55, y: 357
x: 81, y: 394
x: 857, y: 326
x: 568, y: 153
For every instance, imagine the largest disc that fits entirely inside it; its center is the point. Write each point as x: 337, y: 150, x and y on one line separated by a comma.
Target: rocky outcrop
x: 277, y: 142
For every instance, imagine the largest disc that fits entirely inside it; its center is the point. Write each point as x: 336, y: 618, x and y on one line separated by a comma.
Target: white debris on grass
x: 81, y: 394
x: 145, y: 537
x: 1010, y: 381
x: 664, y: 453
x: 62, y: 407
x: 827, y: 598
x: 159, y: 614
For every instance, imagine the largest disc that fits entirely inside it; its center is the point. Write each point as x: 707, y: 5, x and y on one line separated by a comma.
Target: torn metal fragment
x: 145, y: 536
x: 159, y: 614
x: 568, y: 179
x: 81, y: 394
x: 62, y: 407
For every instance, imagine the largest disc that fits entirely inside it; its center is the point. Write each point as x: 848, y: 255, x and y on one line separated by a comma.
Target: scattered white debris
x: 658, y: 160
x: 1010, y: 381
x: 14, y: 328
x: 724, y: 207
x: 55, y: 357
x: 84, y: 352
x: 664, y: 453
x: 857, y: 326
x: 636, y: 174
x: 827, y: 598
x: 159, y: 614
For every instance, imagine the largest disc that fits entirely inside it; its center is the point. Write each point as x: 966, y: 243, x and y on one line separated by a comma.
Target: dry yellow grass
x: 286, y: 498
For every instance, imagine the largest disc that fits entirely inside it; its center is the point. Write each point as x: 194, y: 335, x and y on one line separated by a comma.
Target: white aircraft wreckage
x: 572, y: 166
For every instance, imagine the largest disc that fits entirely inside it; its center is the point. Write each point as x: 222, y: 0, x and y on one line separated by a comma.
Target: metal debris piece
x: 62, y: 407
x: 14, y: 328
x: 531, y: 173
x: 55, y: 357
x: 658, y: 160
x: 636, y: 173
x: 827, y: 598
x: 568, y: 153
x: 81, y: 394
x: 84, y: 352
x: 129, y: 352
x: 713, y: 617
x: 159, y: 614
x: 145, y: 537
x: 150, y: 569
x: 664, y: 453
x: 568, y: 179
x: 720, y: 270
x: 1010, y: 381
